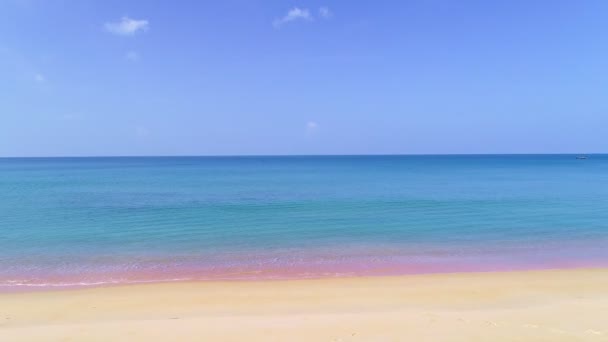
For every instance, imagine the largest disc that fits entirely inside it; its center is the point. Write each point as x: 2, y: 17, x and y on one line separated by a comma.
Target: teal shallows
x: 92, y: 220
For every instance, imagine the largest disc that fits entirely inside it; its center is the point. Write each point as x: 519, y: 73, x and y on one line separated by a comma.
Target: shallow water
x: 90, y: 221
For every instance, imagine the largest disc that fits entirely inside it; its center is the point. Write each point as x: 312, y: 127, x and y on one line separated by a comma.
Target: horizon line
x: 299, y: 155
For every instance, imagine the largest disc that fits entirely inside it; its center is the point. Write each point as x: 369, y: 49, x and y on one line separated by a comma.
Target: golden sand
x: 560, y: 305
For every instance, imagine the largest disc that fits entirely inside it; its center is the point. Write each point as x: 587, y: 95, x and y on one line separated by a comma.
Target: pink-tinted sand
x: 276, y: 270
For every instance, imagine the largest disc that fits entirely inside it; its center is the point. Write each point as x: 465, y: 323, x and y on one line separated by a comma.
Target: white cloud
x: 126, y: 26
x: 325, y: 13
x: 38, y: 77
x: 293, y: 14
x: 132, y: 56
x: 311, y: 127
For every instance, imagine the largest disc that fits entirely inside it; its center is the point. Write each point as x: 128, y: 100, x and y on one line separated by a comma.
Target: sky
x: 123, y: 78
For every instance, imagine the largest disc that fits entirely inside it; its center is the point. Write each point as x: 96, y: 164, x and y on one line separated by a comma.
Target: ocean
x: 68, y: 222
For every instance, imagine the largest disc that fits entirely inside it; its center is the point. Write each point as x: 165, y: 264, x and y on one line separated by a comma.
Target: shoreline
x: 52, y: 287
x: 564, y: 304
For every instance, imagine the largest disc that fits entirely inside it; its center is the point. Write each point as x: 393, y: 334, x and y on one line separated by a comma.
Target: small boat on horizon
x: 581, y: 157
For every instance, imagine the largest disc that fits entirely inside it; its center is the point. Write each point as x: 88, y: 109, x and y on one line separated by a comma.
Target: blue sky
x: 80, y: 78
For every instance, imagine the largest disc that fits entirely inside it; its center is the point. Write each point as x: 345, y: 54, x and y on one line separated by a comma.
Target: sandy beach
x: 555, y: 305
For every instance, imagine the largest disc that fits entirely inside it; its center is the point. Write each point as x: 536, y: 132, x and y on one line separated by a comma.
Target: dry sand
x: 561, y: 305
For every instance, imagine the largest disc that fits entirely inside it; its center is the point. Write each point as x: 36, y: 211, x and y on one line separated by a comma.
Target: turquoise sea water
x: 86, y: 221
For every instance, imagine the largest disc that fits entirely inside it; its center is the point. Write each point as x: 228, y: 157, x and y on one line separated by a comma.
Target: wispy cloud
x: 302, y: 14
x: 132, y: 56
x: 294, y: 14
x: 38, y: 77
x: 325, y: 13
x: 311, y: 127
x: 127, y: 26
